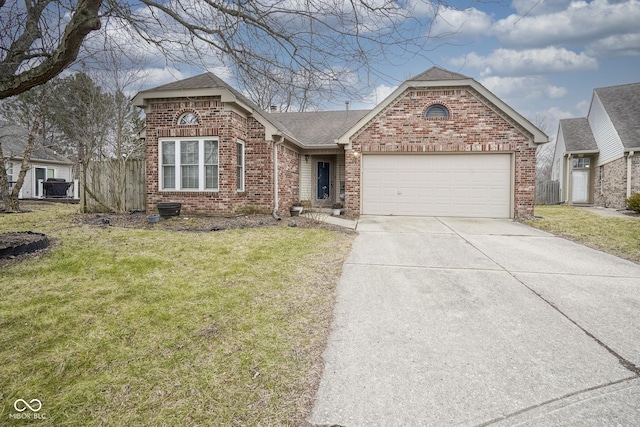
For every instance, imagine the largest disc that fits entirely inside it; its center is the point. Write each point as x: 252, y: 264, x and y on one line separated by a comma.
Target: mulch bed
x: 204, y: 224
x: 138, y: 220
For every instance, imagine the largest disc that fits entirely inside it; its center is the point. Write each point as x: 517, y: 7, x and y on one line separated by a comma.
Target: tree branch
x: 84, y: 20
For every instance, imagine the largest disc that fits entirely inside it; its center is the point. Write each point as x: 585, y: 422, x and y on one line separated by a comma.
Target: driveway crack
x: 627, y: 364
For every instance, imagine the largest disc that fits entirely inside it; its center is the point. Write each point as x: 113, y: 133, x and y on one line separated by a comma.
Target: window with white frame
x: 240, y: 166
x: 9, y: 169
x: 190, y: 164
x: 581, y: 162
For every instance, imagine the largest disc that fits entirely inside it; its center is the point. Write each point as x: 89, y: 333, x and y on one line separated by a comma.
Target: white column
x: 629, y: 165
x: 76, y: 190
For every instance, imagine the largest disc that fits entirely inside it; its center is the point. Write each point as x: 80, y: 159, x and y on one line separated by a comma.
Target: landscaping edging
x: 18, y: 243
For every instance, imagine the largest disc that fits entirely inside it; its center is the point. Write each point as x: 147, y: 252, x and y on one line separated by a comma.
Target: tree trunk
x: 11, y: 201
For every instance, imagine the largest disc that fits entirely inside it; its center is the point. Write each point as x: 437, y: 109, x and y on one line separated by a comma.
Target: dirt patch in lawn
x: 204, y: 224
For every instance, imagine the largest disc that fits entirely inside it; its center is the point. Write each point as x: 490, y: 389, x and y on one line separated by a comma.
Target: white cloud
x: 526, y: 62
x: 555, y: 92
x: 378, y: 94
x: 581, y: 23
x: 460, y: 23
x: 618, y: 45
x: 160, y: 76
x: 583, y: 107
x: 537, y: 7
x: 525, y: 87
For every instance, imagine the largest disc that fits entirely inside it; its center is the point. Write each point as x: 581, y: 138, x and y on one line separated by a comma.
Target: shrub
x: 633, y: 202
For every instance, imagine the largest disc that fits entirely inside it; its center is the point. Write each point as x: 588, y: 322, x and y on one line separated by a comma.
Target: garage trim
x: 439, y: 200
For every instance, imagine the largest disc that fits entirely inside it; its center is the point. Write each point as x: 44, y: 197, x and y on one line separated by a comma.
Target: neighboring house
x: 44, y: 163
x: 440, y: 144
x: 597, y: 158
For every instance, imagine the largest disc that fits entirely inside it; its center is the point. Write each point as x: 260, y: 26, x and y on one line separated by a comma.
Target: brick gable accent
x: 472, y: 126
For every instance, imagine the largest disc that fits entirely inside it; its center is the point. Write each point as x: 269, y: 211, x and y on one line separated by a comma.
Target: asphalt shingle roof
x: 577, y: 135
x: 14, y: 140
x: 319, y: 127
x: 437, y: 73
x: 622, y: 104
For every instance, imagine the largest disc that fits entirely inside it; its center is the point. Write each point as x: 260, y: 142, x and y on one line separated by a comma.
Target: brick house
x: 597, y: 158
x: 440, y: 144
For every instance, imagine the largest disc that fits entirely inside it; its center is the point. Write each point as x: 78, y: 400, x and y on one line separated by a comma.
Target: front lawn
x: 122, y: 327
x: 614, y: 235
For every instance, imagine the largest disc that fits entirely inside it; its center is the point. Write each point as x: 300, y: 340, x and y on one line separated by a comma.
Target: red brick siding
x: 471, y: 127
x: 288, y: 178
x: 229, y: 127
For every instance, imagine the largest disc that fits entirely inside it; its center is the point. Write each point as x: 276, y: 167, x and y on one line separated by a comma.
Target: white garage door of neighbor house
x: 463, y: 185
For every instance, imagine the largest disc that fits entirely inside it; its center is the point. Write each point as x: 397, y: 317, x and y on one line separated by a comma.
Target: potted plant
x: 337, y: 207
x: 296, y: 209
x: 297, y: 206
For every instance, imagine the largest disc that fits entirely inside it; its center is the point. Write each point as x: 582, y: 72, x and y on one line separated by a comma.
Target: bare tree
x: 545, y: 152
x: 332, y: 42
x: 27, y: 111
x: 122, y: 143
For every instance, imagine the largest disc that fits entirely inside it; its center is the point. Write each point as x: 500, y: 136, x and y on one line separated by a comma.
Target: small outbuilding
x: 44, y: 165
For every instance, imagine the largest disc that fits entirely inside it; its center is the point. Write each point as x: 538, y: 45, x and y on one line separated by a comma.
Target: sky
x: 542, y: 57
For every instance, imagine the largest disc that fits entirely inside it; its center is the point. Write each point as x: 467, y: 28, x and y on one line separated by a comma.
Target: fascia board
x: 141, y: 99
x: 539, y: 137
x: 345, y: 139
x: 583, y: 152
x: 226, y: 96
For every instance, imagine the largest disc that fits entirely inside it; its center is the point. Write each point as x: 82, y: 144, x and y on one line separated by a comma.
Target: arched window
x: 436, y: 110
x: 188, y: 119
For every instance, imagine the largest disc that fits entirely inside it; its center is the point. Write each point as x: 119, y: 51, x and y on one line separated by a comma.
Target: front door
x: 324, y: 181
x: 580, y: 186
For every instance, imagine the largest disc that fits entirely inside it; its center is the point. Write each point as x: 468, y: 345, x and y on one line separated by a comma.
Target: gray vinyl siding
x: 306, y: 188
x: 605, y: 134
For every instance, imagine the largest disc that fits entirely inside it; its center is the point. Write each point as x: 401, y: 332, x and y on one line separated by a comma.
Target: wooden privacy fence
x: 547, y: 192
x: 102, y: 181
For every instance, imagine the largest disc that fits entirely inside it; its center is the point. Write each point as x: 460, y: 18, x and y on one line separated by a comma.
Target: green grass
x: 133, y: 327
x: 615, y: 235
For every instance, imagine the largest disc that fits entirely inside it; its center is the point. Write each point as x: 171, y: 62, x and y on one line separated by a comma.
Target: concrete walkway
x: 449, y: 321
x: 604, y: 211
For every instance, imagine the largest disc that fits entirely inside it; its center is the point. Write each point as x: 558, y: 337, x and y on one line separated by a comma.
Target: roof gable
x: 436, y: 77
x: 208, y: 84
x: 622, y: 104
x: 578, y: 136
x: 437, y: 73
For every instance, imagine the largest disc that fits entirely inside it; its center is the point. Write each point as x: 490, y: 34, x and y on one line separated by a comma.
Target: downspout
x: 629, y: 164
x: 274, y: 214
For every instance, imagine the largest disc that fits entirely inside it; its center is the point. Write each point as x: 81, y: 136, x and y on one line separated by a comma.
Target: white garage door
x: 465, y: 185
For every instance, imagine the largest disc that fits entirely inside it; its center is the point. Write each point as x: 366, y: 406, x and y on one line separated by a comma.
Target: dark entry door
x: 324, y: 180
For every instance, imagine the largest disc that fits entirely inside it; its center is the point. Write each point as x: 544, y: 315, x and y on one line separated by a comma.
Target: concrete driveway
x: 451, y: 321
